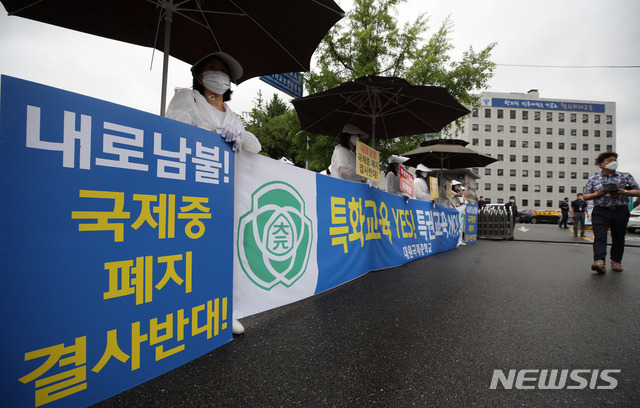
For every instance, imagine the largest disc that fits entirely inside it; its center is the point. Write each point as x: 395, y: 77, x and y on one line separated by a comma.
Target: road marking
x: 523, y: 229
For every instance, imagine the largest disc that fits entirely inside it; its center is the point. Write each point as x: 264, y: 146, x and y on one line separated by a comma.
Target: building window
x: 487, y: 171
x: 500, y: 143
x: 596, y: 148
x: 525, y: 187
x: 561, y: 160
x: 585, y: 161
x: 500, y: 113
x: 525, y: 159
x: 487, y: 128
x: 574, y: 175
x: 609, y: 133
x: 475, y: 126
x: 500, y: 128
x: 549, y: 174
x: 525, y: 115
x: 536, y: 188
x: 525, y: 129
x: 512, y: 143
x: 536, y: 130
x: 561, y: 131
x: 561, y: 174
x: 596, y: 118
x: 536, y: 203
x: 609, y: 148
x: 585, y: 147
x: 525, y: 144
x: 512, y: 129
x: 549, y: 131
x: 585, y: 132
x: 574, y: 132
x: 500, y: 200
x: 536, y: 115
x: 561, y: 117
x: 512, y: 172
x: 596, y: 133
x: 487, y: 113
x: 549, y: 159
x: 549, y: 116
x: 525, y: 173
x: 500, y: 172
x: 536, y: 173
x: 609, y: 120
x: 501, y: 157
x: 512, y: 114
x: 549, y: 189
x: 475, y: 142
x: 487, y: 142
x: 536, y: 159
x: 585, y: 175
x: 512, y: 187
x: 475, y: 112
x: 573, y: 118
x: 525, y: 203
x: 585, y: 118
x: 574, y: 190
x: 574, y: 146
x: 536, y: 145
x: 500, y: 187
x: 560, y: 189
x: 549, y: 203
x: 487, y: 186
x: 549, y: 145
x: 561, y: 146
x: 574, y: 160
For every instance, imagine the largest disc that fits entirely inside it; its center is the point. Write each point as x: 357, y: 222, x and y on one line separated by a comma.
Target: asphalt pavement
x: 431, y: 333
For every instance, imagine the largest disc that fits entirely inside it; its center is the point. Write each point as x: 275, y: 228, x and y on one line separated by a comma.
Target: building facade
x: 546, y: 148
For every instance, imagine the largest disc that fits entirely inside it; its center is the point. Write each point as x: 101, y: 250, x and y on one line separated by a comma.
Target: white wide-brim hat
x: 235, y: 69
x: 422, y: 167
x: 394, y: 158
x: 354, y: 130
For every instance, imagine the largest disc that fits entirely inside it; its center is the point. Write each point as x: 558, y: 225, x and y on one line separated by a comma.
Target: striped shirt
x: 623, y: 180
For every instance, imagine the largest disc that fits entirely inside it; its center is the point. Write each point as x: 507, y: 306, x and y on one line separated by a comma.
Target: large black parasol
x: 266, y: 37
x: 447, y: 154
x: 385, y: 107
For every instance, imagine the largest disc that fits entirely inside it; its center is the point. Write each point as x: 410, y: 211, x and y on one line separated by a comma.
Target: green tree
x: 369, y: 41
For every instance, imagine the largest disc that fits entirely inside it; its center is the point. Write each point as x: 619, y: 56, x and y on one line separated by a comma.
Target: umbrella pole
x: 165, y: 64
x: 373, y: 132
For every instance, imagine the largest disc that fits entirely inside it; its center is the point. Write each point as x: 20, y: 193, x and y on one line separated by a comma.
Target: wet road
x: 430, y: 334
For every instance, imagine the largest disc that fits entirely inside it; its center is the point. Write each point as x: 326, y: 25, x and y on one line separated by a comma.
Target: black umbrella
x: 266, y: 37
x: 385, y: 107
x: 447, y: 154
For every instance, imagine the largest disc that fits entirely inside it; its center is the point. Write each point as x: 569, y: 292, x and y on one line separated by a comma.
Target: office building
x: 546, y: 147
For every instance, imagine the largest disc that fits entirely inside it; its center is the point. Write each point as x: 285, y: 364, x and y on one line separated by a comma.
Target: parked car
x: 634, y: 220
x: 537, y: 216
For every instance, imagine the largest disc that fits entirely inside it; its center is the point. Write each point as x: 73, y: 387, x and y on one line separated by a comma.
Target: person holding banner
x: 392, y: 177
x: 420, y: 188
x: 343, y: 160
x: 205, y: 105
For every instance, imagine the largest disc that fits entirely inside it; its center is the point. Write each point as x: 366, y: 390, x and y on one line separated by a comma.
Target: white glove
x: 232, y: 135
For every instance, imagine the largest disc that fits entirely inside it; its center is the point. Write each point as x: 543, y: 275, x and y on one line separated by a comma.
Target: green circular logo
x: 275, y: 236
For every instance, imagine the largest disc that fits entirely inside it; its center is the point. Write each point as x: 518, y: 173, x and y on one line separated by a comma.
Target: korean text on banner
x: 406, y: 181
x: 117, y: 226
x: 368, y: 161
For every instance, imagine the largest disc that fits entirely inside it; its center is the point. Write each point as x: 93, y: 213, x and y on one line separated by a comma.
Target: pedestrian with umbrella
x: 205, y: 105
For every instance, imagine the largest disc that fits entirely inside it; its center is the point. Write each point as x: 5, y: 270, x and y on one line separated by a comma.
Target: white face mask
x: 354, y: 139
x: 612, y: 166
x: 512, y: 201
x: 216, y: 81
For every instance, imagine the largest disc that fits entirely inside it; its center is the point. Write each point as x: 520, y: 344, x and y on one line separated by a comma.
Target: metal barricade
x: 495, y: 222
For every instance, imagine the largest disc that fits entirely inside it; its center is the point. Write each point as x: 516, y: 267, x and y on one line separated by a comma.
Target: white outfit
x: 343, y: 164
x: 393, y: 183
x: 420, y: 189
x: 189, y: 106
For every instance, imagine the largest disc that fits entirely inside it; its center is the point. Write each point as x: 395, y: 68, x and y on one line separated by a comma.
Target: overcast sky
x: 543, y: 32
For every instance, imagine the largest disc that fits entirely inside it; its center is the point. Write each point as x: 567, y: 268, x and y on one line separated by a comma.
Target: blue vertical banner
x: 116, y: 252
x: 471, y: 224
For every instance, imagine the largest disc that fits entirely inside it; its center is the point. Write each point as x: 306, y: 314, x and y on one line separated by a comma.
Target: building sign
x: 368, y: 161
x: 546, y: 105
x: 289, y: 83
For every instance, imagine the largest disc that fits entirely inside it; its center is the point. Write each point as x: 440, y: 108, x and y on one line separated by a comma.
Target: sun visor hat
x: 235, y: 69
x: 354, y: 130
x: 397, y: 159
x: 422, y: 167
x: 455, y: 182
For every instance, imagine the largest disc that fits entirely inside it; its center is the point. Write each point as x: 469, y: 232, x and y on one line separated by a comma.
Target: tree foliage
x: 370, y: 41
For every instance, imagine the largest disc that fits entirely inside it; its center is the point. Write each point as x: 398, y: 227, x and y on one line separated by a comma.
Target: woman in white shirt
x: 420, y: 188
